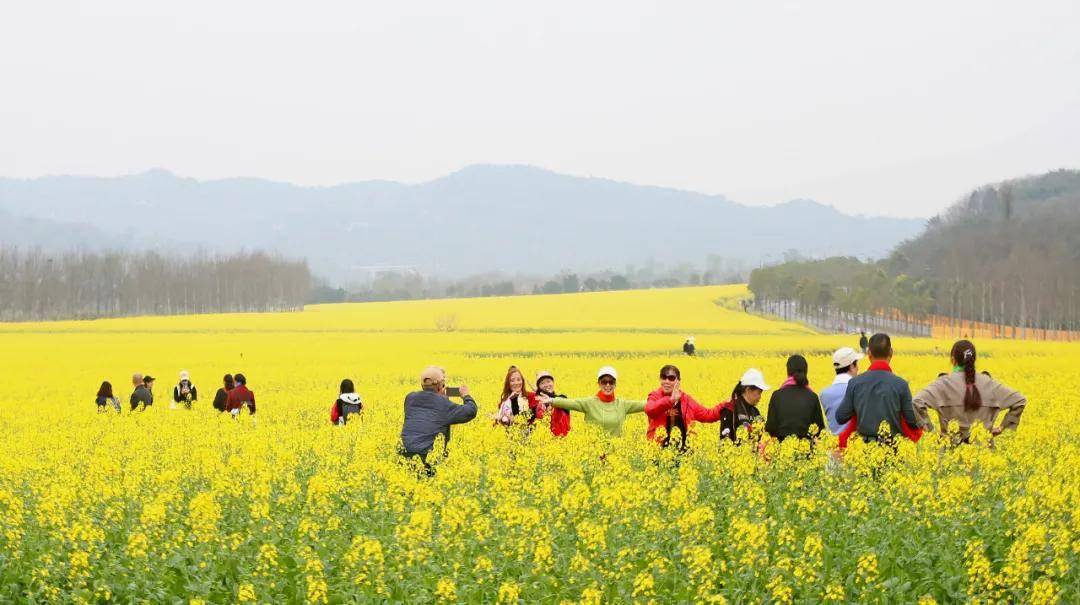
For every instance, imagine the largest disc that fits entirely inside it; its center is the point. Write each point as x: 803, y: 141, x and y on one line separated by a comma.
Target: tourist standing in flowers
x: 185, y: 393
x: 105, y: 398
x: 221, y: 398
x: 430, y: 413
x: 603, y: 409
x: 669, y: 407
x: 516, y: 400
x: 560, y: 419
x: 741, y: 410
x: 347, y: 404
x: 846, y: 365
x: 969, y: 398
x: 877, y: 395
x: 794, y: 408
x: 240, y: 397
x: 688, y: 347
x: 143, y: 396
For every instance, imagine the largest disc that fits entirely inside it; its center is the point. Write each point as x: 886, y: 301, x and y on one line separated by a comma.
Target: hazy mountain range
x: 514, y: 219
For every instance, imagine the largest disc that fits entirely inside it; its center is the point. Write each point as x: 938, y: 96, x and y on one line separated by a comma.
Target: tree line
x: 1005, y: 255
x: 38, y: 285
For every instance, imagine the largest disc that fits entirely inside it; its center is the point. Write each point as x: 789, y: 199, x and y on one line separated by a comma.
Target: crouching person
x: 430, y: 413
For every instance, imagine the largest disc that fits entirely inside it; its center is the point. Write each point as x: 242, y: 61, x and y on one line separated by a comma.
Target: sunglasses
x: 607, y: 382
x: 670, y: 377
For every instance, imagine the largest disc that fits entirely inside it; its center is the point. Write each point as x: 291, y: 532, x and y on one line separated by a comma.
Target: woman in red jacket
x: 675, y: 411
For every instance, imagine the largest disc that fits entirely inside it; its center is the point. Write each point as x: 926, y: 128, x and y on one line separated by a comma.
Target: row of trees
x: 36, y: 285
x: 1004, y: 256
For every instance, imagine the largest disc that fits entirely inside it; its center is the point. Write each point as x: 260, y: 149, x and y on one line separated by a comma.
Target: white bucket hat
x: 754, y: 378
x: 845, y: 356
x: 607, y: 371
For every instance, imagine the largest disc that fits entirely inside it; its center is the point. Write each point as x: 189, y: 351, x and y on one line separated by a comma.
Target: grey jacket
x: 428, y: 414
x: 946, y: 396
x: 141, y: 395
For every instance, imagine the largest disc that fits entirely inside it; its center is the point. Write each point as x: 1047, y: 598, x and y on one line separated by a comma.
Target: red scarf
x: 913, y: 434
x: 602, y: 396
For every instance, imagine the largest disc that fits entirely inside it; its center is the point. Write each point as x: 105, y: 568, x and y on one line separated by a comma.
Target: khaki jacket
x: 946, y: 396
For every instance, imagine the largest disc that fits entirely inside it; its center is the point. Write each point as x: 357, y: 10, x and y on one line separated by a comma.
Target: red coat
x: 238, y: 397
x: 560, y: 422
x: 658, y: 404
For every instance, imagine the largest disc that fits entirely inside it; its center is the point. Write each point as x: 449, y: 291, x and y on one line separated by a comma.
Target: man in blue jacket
x: 430, y: 413
x: 878, y: 395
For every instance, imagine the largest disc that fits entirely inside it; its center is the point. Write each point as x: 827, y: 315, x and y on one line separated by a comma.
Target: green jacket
x: 610, y: 416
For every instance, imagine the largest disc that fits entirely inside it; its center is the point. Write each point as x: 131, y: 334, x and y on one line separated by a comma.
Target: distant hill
x: 479, y: 219
x: 1008, y: 254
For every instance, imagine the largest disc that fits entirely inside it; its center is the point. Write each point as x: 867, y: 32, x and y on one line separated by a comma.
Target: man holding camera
x: 429, y: 413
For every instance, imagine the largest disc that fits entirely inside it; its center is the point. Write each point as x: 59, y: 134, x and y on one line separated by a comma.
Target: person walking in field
x: 740, y: 412
x: 794, y: 408
x: 846, y: 365
x: 221, y: 398
x: 969, y: 398
x: 347, y: 404
x: 560, y: 419
x: 430, y: 413
x: 143, y: 396
x: 240, y: 397
x: 517, y: 400
x: 185, y: 393
x: 688, y: 347
x: 603, y: 409
x: 105, y: 398
x: 877, y: 395
x: 668, y: 407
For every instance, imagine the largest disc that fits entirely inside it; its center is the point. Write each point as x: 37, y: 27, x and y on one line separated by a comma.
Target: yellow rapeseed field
x: 182, y: 506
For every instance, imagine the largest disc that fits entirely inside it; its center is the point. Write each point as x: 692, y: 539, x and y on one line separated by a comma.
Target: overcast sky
x: 873, y: 107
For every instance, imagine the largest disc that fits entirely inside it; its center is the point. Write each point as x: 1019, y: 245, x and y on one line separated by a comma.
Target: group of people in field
x: 859, y: 402
x: 232, y: 397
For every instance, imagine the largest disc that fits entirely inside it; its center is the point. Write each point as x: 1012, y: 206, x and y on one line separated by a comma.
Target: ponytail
x: 797, y: 369
x: 800, y: 378
x: 963, y: 354
x: 737, y: 394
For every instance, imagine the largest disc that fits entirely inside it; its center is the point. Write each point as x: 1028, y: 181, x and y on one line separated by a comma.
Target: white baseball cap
x: 754, y: 378
x: 607, y: 371
x: 845, y: 356
x: 184, y: 375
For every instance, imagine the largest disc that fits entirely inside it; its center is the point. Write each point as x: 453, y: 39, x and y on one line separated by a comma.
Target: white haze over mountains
x: 484, y: 218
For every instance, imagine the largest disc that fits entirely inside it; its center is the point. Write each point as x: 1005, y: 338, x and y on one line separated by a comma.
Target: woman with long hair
x: 106, y: 398
x: 794, y: 407
x: 517, y: 400
x: 969, y: 397
x: 741, y: 410
x: 221, y: 398
x: 347, y: 404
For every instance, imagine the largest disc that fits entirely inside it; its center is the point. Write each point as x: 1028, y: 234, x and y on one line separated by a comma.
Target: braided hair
x: 963, y: 355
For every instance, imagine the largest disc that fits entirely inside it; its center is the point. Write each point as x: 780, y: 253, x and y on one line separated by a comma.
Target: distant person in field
x: 516, y: 400
x: 877, y: 395
x: 185, y: 393
x: 864, y: 342
x: 688, y: 347
x: 430, y: 413
x: 346, y: 405
x: 674, y: 411
x: 240, y: 397
x: 741, y: 411
x: 794, y: 408
x: 142, y: 397
x: 969, y: 398
x: 603, y: 409
x: 560, y: 419
x: 105, y: 398
x: 846, y: 365
x: 221, y: 398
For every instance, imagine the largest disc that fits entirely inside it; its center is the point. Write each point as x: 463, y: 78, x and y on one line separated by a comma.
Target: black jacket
x: 141, y: 395
x: 792, y: 411
x: 732, y: 416
x: 220, y: 399
x: 178, y: 398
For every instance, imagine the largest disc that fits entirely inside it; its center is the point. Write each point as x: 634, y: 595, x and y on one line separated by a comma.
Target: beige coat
x: 946, y: 396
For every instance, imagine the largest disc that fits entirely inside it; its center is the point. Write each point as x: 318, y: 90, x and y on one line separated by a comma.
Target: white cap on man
x: 607, y: 371
x: 845, y: 356
x: 754, y: 378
